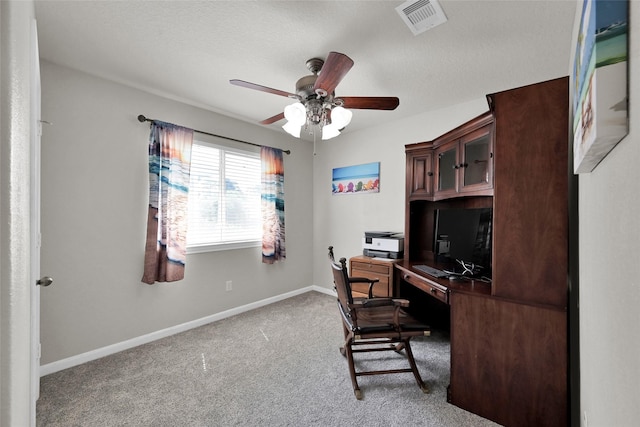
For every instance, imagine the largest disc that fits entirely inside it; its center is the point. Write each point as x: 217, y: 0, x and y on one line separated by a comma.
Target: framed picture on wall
x: 363, y: 178
x: 600, y: 98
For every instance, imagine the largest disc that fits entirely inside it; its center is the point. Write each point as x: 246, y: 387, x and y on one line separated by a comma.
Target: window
x: 224, y: 198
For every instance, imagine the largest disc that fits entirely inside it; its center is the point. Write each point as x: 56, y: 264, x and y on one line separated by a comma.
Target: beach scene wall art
x: 600, y: 92
x: 357, y: 179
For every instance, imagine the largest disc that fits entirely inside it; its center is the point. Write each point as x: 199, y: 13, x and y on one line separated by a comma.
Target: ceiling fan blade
x: 333, y: 71
x: 370, y: 102
x: 262, y: 88
x: 273, y: 119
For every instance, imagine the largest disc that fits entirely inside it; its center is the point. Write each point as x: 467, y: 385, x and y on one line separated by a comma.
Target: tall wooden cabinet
x: 509, y: 346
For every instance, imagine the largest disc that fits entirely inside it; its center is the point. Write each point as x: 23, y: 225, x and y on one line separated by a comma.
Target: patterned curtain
x: 273, y: 247
x: 169, y: 168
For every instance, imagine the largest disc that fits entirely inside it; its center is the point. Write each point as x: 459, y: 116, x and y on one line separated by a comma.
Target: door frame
x: 15, y: 263
x: 34, y: 216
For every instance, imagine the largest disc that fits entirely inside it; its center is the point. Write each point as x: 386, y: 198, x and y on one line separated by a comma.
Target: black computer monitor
x: 464, y: 235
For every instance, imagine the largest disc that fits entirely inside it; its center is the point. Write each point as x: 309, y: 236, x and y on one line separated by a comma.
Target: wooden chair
x: 374, y: 325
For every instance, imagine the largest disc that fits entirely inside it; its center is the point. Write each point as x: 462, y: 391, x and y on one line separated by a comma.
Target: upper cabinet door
x: 464, y: 166
x: 420, y: 174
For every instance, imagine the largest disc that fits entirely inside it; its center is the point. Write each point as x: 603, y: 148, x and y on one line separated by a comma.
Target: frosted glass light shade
x: 330, y: 131
x: 340, y: 117
x: 292, y: 128
x: 296, y: 113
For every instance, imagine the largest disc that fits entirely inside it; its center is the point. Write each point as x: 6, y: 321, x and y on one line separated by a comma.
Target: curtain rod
x: 142, y: 119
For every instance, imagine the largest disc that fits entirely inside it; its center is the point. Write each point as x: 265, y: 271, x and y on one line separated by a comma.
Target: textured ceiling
x: 189, y: 50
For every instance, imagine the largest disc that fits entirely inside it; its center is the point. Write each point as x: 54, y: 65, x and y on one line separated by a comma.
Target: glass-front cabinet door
x: 464, y: 165
x: 447, y: 168
x: 477, y: 160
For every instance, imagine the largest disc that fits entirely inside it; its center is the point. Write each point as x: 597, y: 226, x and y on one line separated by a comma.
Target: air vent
x: 421, y: 15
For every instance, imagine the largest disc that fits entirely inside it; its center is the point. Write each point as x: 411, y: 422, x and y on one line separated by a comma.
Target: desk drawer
x: 360, y: 266
x: 380, y: 289
x: 374, y: 268
x: 430, y: 288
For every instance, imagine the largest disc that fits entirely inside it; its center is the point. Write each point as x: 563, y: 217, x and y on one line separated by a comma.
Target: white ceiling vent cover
x: 421, y: 15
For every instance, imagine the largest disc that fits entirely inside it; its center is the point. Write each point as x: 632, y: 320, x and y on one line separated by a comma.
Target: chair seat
x: 377, y: 319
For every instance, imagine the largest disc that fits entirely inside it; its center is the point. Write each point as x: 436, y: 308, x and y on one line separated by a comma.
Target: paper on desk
x: 382, y: 259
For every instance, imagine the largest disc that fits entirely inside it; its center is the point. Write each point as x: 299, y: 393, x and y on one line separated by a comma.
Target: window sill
x: 196, y: 249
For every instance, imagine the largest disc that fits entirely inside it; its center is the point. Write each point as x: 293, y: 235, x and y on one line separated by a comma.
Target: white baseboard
x: 79, y: 359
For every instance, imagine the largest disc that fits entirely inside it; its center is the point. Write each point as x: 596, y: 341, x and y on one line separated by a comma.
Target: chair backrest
x: 341, y: 281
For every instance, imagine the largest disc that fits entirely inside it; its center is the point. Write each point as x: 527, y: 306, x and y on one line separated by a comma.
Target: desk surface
x: 444, y: 285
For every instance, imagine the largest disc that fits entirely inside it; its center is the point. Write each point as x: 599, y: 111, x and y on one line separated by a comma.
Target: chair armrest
x: 379, y: 302
x: 362, y: 280
x: 371, y: 282
x: 401, y: 302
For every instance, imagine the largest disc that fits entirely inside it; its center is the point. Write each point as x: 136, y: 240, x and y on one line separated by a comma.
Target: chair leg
x: 352, y: 371
x: 399, y: 347
x: 414, y: 367
x: 347, y: 338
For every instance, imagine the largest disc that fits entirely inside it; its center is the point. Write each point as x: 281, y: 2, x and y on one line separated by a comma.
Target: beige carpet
x: 274, y: 366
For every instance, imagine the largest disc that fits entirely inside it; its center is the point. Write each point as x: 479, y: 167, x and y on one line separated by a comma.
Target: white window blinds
x: 224, y: 198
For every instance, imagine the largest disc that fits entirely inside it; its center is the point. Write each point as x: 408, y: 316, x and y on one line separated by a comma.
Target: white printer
x: 383, y: 244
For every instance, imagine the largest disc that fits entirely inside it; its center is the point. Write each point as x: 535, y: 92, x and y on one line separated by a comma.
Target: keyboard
x: 431, y: 271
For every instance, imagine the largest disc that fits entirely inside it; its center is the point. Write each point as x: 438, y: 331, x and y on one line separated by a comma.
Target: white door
x: 36, y: 131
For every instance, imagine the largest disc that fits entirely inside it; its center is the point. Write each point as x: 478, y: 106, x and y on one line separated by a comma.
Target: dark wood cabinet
x: 509, y: 342
x: 509, y: 361
x: 459, y: 163
x: 530, y: 224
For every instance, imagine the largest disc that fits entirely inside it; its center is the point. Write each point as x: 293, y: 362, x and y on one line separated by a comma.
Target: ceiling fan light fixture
x: 315, y: 113
x: 292, y: 129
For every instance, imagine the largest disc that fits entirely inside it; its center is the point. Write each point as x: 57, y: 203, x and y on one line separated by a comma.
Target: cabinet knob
x: 429, y: 173
x: 456, y: 166
x: 433, y: 290
x: 464, y: 165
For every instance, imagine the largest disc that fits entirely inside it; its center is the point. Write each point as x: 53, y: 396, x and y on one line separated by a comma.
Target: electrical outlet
x: 229, y: 285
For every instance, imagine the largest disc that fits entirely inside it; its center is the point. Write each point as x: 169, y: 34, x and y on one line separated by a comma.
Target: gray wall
x: 94, y: 203
x: 610, y: 272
